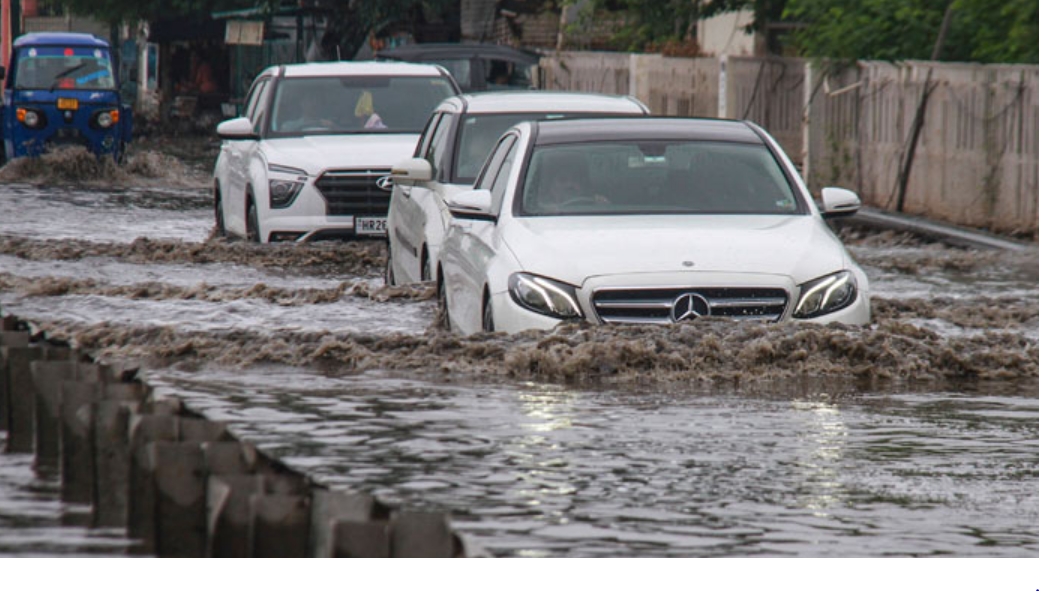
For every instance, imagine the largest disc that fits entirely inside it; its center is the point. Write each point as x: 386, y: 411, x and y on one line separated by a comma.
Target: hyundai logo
x: 385, y: 183
x: 689, y: 306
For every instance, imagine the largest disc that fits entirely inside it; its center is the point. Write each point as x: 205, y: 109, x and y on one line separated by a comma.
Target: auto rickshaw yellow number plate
x: 69, y: 104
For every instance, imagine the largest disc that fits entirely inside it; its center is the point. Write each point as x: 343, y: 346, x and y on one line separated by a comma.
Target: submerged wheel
x: 443, y: 317
x: 252, y: 223
x: 488, y: 314
x: 426, y: 274
x: 218, y: 214
x: 388, y: 276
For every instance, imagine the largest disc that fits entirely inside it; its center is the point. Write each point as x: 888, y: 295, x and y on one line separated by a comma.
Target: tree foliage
x: 980, y: 30
x: 115, y: 11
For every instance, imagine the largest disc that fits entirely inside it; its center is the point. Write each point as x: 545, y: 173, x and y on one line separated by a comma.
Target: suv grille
x: 654, y: 305
x: 354, y: 192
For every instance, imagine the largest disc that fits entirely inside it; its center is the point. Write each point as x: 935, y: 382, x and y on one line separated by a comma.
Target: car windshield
x: 479, y: 133
x: 62, y: 67
x: 356, y: 104
x: 655, y: 177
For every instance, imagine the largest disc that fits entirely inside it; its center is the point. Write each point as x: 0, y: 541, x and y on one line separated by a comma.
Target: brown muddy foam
x: 77, y: 165
x: 708, y: 351
x: 366, y: 257
x: 61, y: 286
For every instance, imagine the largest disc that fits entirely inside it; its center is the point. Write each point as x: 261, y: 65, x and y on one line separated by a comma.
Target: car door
x: 423, y: 209
x: 480, y: 241
x: 236, y: 152
x: 405, y: 216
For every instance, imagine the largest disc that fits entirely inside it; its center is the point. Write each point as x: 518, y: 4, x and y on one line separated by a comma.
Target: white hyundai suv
x: 310, y: 159
x: 454, y: 145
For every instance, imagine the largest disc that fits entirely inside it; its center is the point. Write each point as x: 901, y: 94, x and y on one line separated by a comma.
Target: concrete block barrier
x: 422, y: 535
x: 110, y: 493
x: 182, y: 485
x: 8, y: 338
x: 228, y: 514
x: 279, y: 525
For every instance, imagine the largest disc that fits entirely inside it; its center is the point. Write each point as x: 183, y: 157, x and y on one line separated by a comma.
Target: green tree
x: 980, y: 30
x: 115, y: 11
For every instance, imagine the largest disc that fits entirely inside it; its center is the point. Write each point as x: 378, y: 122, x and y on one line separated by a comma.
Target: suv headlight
x: 544, y: 296
x: 826, y: 294
x: 283, y: 191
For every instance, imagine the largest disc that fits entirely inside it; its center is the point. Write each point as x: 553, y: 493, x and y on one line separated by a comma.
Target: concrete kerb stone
x: 21, y: 392
x: 330, y: 507
x: 8, y: 338
x: 144, y: 429
x: 49, y: 378
x: 279, y: 525
x: 417, y: 534
x: 228, y: 513
x: 361, y: 539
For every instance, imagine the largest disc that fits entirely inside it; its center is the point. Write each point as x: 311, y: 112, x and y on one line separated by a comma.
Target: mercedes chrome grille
x: 682, y: 304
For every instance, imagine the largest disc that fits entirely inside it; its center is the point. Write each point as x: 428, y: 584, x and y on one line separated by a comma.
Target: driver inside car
x: 310, y: 116
x: 566, y: 186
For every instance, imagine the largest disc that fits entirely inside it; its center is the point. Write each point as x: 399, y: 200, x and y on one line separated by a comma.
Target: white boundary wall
x: 977, y: 161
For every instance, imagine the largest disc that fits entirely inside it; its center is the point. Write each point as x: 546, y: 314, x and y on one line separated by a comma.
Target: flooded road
x: 914, y: 436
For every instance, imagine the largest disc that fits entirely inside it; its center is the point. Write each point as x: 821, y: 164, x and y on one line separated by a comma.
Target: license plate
x: 370, y: 226
x: 68, y: 104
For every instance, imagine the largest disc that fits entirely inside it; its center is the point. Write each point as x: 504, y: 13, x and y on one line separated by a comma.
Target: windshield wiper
x: 57, y: 79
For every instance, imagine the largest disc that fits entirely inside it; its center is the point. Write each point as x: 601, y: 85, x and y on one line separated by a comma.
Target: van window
x: 58, y: 67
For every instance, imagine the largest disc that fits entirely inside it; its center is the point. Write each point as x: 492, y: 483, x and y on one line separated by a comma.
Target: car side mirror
x: 839, y: 203
x: 472, y: 205
x: 236, y: 129
x: 411, y: 171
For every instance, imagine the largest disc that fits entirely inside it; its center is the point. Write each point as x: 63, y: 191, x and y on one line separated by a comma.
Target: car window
x: 261, y: 108
x: 478, y: 133
x: 438, y: 145
x: 490, y: 167
x: 254, y: 96
x: 459, y: 68
x: 503, y: 74
x: 501, y: 180
x: 427, y: 135
x: 356, y: 104
x: 656, y: 177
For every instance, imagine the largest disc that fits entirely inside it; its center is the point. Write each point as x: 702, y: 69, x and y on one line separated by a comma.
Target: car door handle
x: 406, y: 192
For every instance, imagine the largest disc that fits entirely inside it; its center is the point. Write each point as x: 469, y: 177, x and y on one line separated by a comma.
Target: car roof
x: 541, y: 101
x: 421, y: 51
x: 360, y: 69
x: 60, y: 38
x: 644, y: 128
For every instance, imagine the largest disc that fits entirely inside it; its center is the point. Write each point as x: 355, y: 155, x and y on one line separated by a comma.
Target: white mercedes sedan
x: 644, y: 220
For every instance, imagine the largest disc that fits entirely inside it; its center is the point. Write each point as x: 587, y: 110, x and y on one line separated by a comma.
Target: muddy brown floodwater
x: 916, y: 435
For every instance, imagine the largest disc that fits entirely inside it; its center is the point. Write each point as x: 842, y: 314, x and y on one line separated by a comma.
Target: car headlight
x: 826, y: 295
x: 283, y: 191
x: 544, y: 296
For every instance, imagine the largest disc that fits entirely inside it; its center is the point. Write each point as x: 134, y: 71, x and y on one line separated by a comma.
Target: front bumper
x: 511, y: 317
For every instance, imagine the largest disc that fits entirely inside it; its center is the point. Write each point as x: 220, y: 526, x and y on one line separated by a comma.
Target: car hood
x: 318, y: 153
x: 574, y: 249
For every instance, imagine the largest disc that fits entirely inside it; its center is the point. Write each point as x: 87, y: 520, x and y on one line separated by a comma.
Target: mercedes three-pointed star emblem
x: 689, y: 306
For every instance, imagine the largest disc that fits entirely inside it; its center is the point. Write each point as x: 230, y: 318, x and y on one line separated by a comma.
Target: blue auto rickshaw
x: 61, y: 89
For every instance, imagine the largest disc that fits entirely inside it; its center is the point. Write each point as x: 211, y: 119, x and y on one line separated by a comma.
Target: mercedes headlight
x: 544, y: 296
x: 285, y: 184
x: 826, y: 295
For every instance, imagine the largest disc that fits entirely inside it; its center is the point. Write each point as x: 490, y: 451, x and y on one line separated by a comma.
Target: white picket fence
x: 976, y: 163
